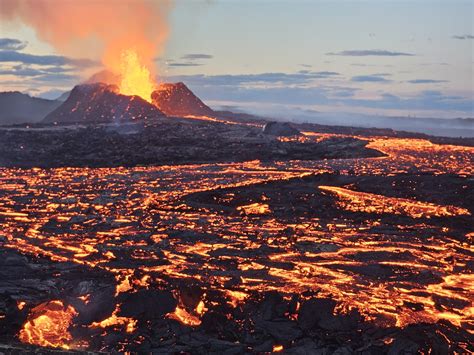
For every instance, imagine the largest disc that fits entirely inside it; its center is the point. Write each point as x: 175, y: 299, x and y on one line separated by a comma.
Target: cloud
x: 55, y: 78
x: 186, y: 64
x: 197, y: 56
x: 369, y: 52
x: 20, y: 71
x: 426, y: 81
x: 13, y: 56
x: 303, y: 77
x: 370, y: 78
x: 463, y: 37
x: 426, y: 100
x: 12, y: 44
x: 349, y: 92
x: 300, y: 90
x: 23, y: 70
x: 189, y: 60
x: 324, y: 73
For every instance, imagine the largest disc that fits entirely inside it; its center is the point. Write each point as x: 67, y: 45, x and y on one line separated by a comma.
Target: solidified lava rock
x: 100, y: 303
x: 175, y: 99
x: 100, y: 102
x: 280, y: 129
x: 157, y: 142
x: 314, y: 311
x: 147, y: 304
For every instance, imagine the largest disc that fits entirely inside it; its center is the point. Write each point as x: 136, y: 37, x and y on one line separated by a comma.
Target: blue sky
x: 371, y: 57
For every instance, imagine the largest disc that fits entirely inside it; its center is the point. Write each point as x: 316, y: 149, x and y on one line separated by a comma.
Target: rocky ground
x: 163, y: 142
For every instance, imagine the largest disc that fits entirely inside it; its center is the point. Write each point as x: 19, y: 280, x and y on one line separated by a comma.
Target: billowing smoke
x: 109, y: 29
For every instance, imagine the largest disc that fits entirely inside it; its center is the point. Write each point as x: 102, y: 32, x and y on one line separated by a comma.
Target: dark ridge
x: 17, y: 107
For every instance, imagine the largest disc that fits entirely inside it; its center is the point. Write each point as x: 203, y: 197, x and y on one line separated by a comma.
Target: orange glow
x: 372, y: 203
x: 181, y: 315
x: 48, y: 325
x: 136, y: 78
x: 123, y: 285
x: 115, y: 320
x: 277, y: 348
x: 255, y: 208
x: 236, y: 297
x: 201, y: 308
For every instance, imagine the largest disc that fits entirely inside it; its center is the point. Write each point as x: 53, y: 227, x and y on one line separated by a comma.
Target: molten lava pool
x: 390, y: 237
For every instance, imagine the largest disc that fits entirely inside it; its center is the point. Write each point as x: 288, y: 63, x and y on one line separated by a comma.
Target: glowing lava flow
x: 396, y: 272
x: 48, y: 325
x: 116, y: 321
x: 372, y: 203
x: 136, y: 78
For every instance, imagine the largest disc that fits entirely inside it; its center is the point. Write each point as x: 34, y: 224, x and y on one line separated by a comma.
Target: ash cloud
x: 102, y: 29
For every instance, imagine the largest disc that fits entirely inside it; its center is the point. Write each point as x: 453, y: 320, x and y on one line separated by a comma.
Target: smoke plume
x: 96, y: 28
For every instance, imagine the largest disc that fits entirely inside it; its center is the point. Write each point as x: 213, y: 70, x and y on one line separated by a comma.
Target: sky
x: 388, y: 58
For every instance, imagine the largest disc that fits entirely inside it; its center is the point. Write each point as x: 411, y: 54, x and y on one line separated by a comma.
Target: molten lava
x: 135, y: 77
x: 396, y: 252
x: 48, y: 325
x: 182, y: 315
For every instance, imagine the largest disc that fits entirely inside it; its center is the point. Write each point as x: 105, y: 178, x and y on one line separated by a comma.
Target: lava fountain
x: 135, y: 77
x: 124, y: 38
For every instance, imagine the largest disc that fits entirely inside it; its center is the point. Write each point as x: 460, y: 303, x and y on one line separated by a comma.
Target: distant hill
x: 63, y: 96
x: 16, y: 107
x: 100, y: 102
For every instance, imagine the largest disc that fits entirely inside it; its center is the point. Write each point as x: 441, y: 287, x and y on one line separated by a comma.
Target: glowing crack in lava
x: 135, y: 77
x: 48, y: 324
x: 373, y: 203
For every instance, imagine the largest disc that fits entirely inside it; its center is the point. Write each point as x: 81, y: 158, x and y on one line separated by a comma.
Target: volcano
x: 101, y: 102
x: 176, y: 99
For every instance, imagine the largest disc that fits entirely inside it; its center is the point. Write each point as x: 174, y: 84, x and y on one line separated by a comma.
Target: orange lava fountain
x: 135, y: 77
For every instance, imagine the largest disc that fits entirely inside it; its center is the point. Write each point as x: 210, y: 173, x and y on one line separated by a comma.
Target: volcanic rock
x: 102, y: 103
x: 314, y: 311
x: 280, y: 129
x: 147, y: 304
x: 175, y: 99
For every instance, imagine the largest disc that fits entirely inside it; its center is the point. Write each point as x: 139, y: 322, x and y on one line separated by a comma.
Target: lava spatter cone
x: 176, y: 99
x: 99, y: 102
